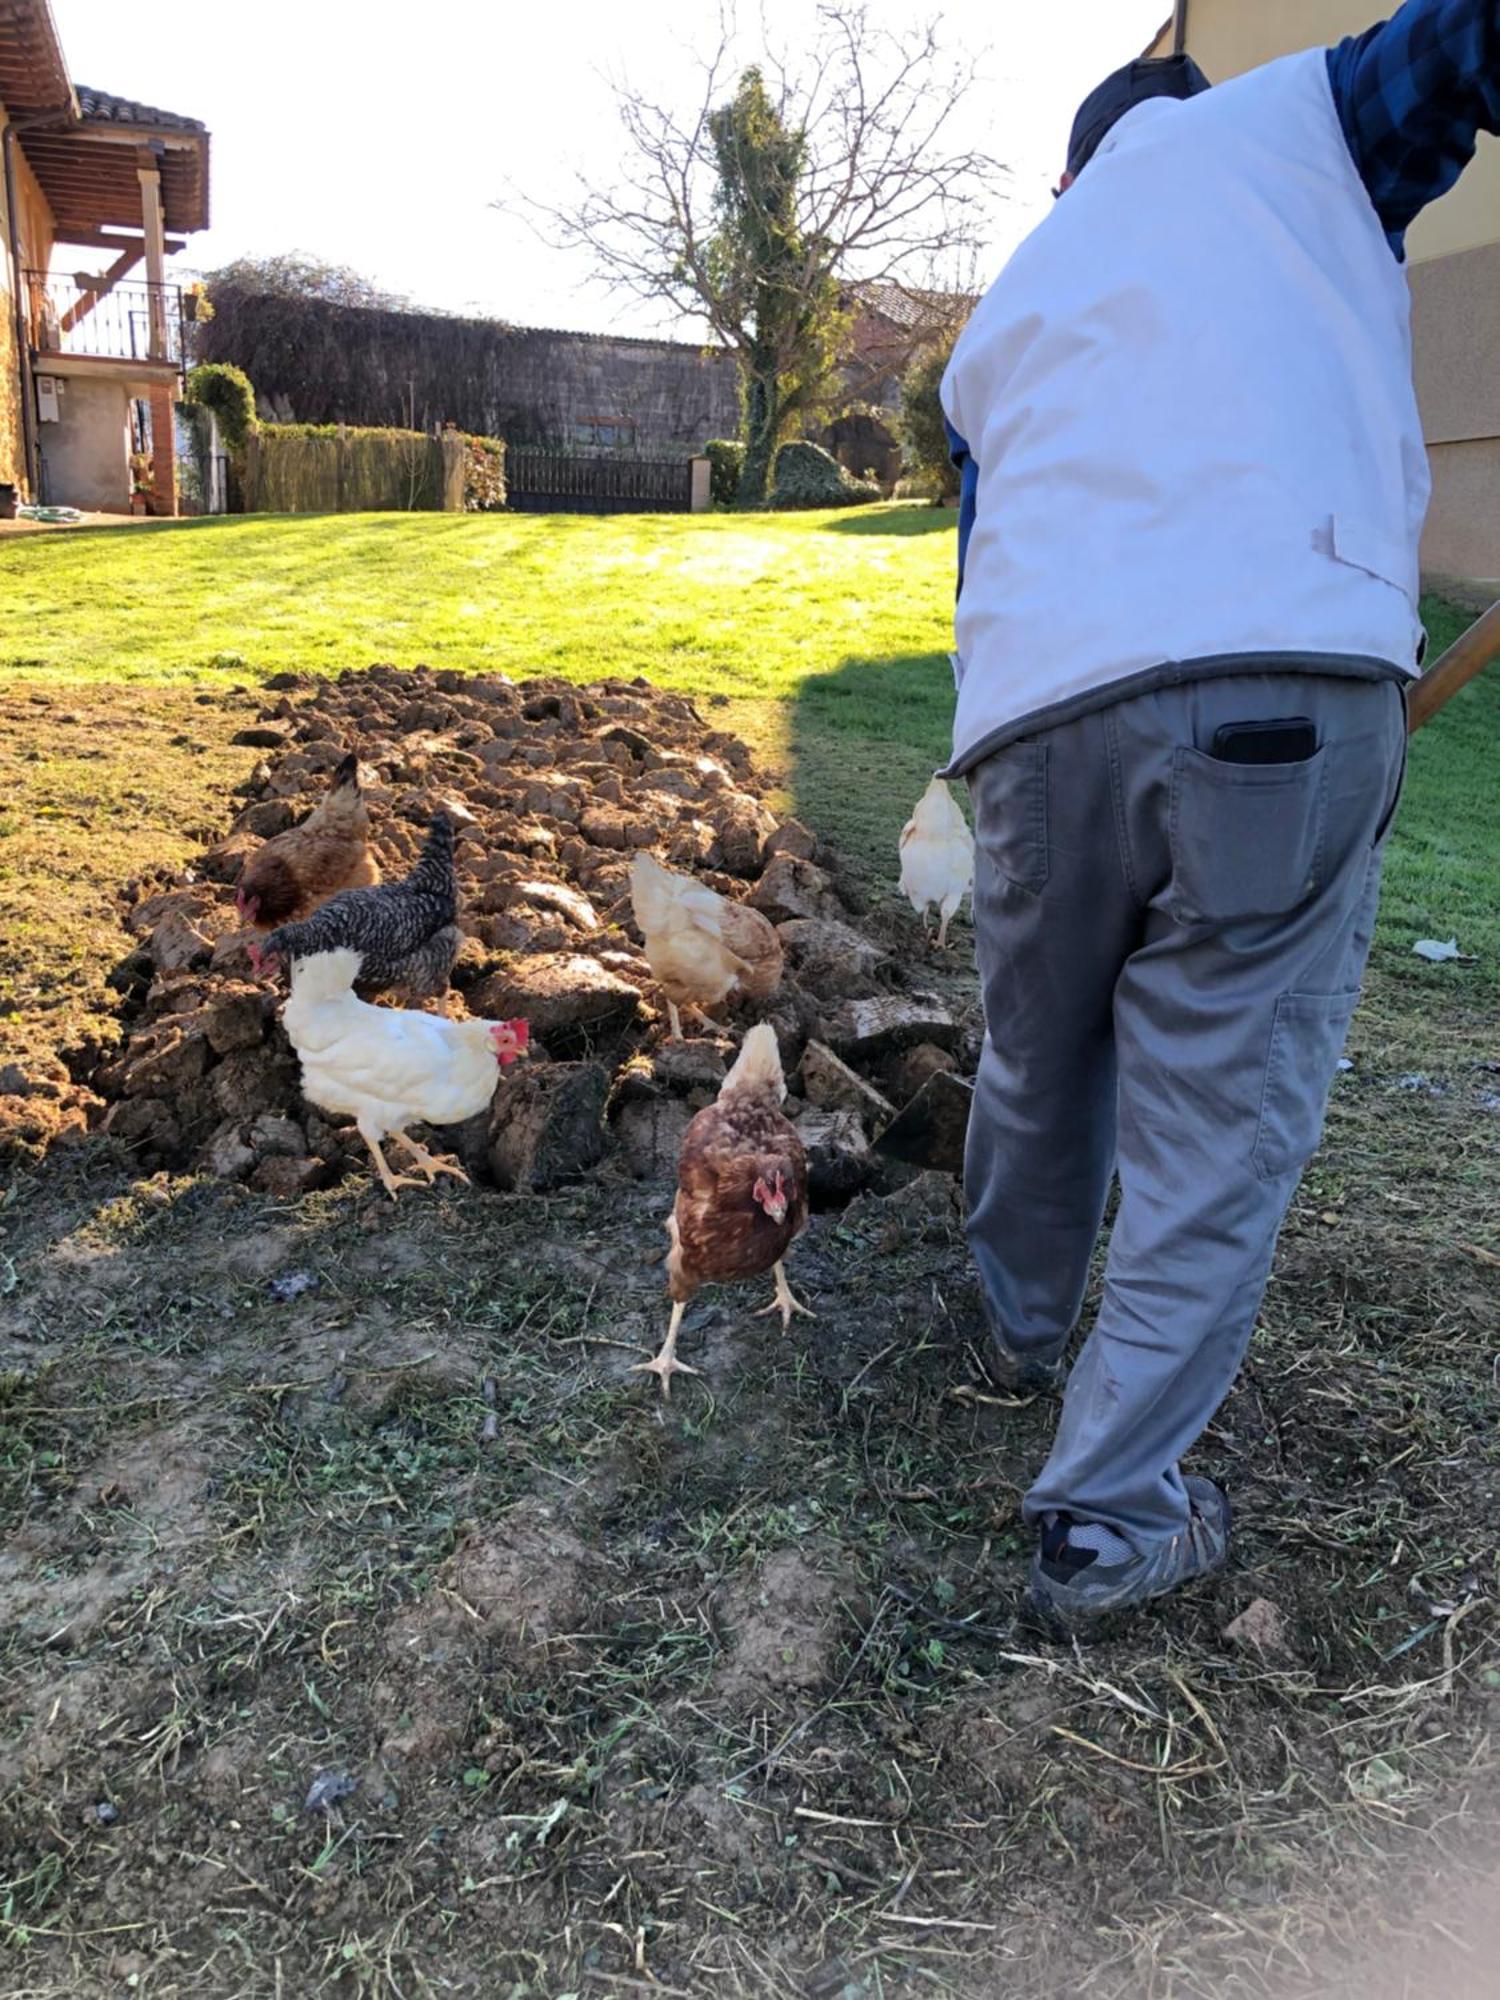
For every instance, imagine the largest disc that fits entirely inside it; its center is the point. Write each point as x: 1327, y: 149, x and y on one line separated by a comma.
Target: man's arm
x: 968, y: 489
x: 1412, y: 93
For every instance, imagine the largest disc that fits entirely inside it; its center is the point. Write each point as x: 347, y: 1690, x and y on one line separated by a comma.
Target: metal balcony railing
x: 129, y: 322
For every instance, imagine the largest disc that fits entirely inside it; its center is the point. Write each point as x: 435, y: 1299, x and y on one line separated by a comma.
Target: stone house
x: 1453, y: 258
x: 90, y: 361
x: 890, y: 326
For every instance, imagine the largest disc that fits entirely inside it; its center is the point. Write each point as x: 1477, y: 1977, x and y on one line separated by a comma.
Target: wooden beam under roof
x: 95, y: 289
x: 92, y: 236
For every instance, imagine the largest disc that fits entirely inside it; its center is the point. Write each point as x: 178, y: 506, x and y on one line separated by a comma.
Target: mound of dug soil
x: 554, y: 787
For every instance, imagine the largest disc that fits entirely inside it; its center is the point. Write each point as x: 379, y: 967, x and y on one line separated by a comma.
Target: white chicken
x: 700, y: 946
x: 387, y: 1068
x: 937, y: 856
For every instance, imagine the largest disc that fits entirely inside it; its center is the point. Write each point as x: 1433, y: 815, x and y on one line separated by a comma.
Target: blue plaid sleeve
x: 968, y: 490
x: 1412, y: 93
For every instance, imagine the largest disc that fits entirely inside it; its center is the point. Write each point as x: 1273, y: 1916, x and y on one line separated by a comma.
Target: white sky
x: 378, y: 136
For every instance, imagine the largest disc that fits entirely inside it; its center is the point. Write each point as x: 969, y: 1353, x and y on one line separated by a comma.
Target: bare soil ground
x: 371, y: 1630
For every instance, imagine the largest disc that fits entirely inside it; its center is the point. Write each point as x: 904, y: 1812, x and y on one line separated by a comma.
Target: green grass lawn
x: 826, y: 633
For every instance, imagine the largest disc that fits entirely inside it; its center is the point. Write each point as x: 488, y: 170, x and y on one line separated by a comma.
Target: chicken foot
x: 784, y: 1303
x: 431, y: 1164
x: 389, y: 1181
x: 674, y: 1021
x: 666, y: 1364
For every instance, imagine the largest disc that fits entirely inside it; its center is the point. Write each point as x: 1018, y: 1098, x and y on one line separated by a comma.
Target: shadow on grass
x: 923, y: 520
x: 862, y: 742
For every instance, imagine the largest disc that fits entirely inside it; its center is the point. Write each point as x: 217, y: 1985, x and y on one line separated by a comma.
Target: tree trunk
x: 762, y: 427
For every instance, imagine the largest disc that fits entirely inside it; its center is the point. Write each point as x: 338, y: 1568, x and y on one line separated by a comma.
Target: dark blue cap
x: 1150, y: 76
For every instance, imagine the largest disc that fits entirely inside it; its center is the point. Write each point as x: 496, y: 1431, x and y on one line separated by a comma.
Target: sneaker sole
x: 1088, y: 1627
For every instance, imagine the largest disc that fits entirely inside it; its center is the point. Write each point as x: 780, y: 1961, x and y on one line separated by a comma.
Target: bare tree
x: 753, y: 208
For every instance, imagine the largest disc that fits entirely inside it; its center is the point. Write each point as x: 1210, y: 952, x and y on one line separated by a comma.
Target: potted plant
x: 140, y: 482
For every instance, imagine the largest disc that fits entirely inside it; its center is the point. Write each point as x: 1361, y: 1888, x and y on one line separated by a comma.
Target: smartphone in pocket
x: 1289, y: 740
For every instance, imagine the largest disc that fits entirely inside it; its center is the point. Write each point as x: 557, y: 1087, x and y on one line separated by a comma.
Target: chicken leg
x: 431, y: 1164
x: 784, y: 1303
x: 674, y: 1022
x: 389, y: 1181
x: 666, y: 1364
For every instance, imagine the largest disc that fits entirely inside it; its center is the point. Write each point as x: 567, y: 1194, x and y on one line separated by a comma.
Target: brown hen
x: 741, y: 1193
x: 288, y: 878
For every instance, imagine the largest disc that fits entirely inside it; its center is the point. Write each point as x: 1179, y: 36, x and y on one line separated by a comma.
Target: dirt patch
x: 555, y: 787
x: 782, y: 1624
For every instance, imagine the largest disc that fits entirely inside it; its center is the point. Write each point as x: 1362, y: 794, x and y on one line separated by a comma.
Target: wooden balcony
x: 140, y: 324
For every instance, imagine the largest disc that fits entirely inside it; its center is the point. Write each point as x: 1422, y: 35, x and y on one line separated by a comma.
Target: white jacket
x: 1189, y: 398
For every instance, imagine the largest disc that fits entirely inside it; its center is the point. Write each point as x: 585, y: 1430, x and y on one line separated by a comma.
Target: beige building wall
x: 86, y: 453
x: 1453, y: 251
x: 34, y: 221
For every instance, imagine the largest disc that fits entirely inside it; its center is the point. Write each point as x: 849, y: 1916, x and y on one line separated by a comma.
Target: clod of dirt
x: 832, y: 959
x: 547, y: 1125
x: 1260, y: 1628
x: 783, y: 1624
x: 861, y: 1030
x: 829, y: 1083
x: 930, y: 1131
x: 792, y: 889
x: 906, y: 1072
x: 561, y: 995
x: 649, y: 1133
x: 838, y: 1157
x: 794, y: 839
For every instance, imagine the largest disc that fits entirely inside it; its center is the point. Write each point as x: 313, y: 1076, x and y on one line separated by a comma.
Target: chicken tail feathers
x: 325, y: 976
x: 757, y: 1067
x: 433, y: 874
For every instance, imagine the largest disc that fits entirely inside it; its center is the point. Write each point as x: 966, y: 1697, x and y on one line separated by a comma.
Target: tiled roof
x: 913, y: 309
x: 102, y: 107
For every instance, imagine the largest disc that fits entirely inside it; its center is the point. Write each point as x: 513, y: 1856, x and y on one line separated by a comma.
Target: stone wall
x: 312, y: 362
x: 12, y: 449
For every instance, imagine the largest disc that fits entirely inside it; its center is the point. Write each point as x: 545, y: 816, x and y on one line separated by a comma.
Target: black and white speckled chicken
x: 405, y: 932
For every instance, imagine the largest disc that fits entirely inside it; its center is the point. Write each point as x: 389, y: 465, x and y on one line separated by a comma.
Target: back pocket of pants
x: 1246, y: 839
x: 1307, y: 1038
x: 1009, y: 790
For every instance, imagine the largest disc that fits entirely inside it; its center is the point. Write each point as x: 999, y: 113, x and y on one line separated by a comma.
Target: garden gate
x: 540, y: 480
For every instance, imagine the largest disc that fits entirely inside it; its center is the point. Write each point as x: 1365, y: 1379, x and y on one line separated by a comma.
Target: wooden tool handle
x: 1469, y: 655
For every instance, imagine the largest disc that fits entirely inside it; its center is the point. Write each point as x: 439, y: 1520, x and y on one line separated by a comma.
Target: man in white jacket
x: 1194, y: 486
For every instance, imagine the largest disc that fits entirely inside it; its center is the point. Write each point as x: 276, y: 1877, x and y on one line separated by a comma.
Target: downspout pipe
x: 23, y: 328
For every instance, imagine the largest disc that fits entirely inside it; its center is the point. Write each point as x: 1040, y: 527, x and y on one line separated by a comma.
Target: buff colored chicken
x: 387, y: 1068
x: 701, y: 947
x: 288, y: 877
x: 937, y: 857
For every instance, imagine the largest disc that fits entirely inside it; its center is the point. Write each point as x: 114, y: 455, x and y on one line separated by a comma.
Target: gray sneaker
x: 1079, y: 1593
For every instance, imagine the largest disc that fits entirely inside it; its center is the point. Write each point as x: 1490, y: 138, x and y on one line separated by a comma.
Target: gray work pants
x: 1171, y: 948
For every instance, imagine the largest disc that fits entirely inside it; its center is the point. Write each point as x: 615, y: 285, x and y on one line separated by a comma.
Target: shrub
x: 808, y: 476
x: 928, y: 486
x: 726, y: 458
x: 484, y: 474
x: 221, y: 387
x: 924, y: 441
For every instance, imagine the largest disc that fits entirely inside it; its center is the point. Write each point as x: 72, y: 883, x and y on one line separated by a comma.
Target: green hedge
x: 726, y: 458
x: 226, y: 390
x: 808, y: 476
x: 333, y: 469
